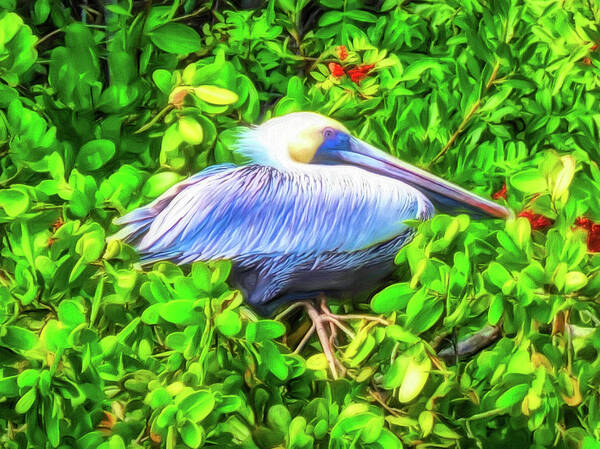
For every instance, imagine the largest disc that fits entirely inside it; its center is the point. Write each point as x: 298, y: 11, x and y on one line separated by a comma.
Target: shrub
x: 104, y: 105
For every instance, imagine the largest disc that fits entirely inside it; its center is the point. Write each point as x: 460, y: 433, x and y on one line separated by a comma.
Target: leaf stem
x: 483, y: 415
x: 155, y: 119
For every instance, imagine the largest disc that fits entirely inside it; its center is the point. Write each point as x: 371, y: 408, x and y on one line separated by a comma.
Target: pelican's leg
x: 332, y: 334
x: 305, y: 339
x: 322, y: 316
x: 352, y: 316
x: 318, y: 322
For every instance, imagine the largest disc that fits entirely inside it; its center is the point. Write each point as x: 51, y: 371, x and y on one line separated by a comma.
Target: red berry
x: 537, y: 221
x: 336, y: 69
x: 584, y: 222
x: 359, y: 73
x: 593, y: 240
x: 342, y: 52
x: 500, y: 193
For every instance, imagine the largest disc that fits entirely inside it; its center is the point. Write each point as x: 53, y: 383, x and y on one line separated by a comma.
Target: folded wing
x: 240, y: 213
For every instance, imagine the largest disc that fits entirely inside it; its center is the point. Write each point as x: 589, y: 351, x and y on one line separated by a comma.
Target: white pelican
x: 316, y: 211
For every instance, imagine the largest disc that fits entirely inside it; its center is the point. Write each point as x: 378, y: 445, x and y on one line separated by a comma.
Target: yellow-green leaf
x: 191, y: 131
x: 317, y: 362
x: 564, y: 177
x: 216, y: 95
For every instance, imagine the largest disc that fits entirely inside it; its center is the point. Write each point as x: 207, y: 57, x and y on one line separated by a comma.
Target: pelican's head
x: 289, y: 140
x: 301, y: 138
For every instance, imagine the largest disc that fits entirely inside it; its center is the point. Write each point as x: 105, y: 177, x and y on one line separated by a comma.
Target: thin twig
x: 48, y: 36
x: 459, y: 131
x: 377, y: 396
x: 569, y: 343
x: 192, y: 14
x: 467, y: 117
x: 471, y: 345
x: 493, y: 76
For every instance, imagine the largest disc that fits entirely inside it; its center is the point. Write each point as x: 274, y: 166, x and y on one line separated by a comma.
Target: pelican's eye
x: 328, y: 133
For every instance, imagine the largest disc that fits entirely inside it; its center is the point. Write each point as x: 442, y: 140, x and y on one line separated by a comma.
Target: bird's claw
x: 322, y: 316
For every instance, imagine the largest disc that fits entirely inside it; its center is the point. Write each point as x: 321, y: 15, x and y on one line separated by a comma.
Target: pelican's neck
x: 264, y: 147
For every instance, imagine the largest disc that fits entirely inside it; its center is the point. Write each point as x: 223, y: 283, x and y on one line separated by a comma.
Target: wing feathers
x: 229, y: 212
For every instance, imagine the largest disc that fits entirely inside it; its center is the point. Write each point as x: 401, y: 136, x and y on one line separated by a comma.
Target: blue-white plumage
x: 292, y: 223
x: 269, y: 220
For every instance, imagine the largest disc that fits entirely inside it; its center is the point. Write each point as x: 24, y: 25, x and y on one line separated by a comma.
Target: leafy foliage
x: 104, y: 105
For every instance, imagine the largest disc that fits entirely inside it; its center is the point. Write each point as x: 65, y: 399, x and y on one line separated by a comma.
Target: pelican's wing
x: 236, y: 213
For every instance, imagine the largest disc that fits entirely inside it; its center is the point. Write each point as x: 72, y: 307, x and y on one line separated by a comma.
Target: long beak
x: 446, y: 196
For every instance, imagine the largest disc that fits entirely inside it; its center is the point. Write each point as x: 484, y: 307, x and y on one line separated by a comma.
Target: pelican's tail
x: 136, y: 223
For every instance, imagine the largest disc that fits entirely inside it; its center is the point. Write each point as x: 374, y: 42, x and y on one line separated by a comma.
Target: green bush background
x: 103, y: 105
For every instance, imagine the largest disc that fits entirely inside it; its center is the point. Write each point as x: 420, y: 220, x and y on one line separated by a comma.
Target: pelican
x: 316, y: 212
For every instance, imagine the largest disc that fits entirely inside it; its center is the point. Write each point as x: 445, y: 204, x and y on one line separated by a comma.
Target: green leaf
x: 176, y: 341
x: 201, y: 276
x: 372, y: 429
x: 529, y: 181
x: 71, y: 313
x: 167, y: 416
x: 152, y: 314
x: 162, y: 79
x: 361, y: 16
x: 28, y: 378
x: 228, y: 323
x: 497, y: 274
x: 496, y: 309
x: 279, y: 417
x: 564, y: 177
x: 14, y: 202
x: 387, y: 440
x: 158, y: 398
x: 52, y: 425
x: 512, y: 396
x: 180, y: 311
x: 263, y: 330
x: 415, y: 378
x: 176, y: 38
x: 330, y: 17
x: 590, y: 443
x: 9, y: 386
x: 444, y: 431
x: 116, y: 442
x: 426, y: 419
x: 24, y: 404
x: 192, y: 434
x: 91, y: 244
x: 274, y: 360
x: 94, y: 154
x: 18, y: 338
x: 158, y: 183
x: 392, y: 298
x: 317, y: 362
x: 197, y: 405
x: 575, y: 280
